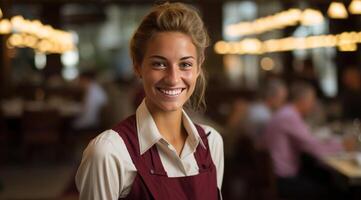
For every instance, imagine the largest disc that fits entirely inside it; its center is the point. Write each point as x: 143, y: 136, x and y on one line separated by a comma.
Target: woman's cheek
x: 189, y: 76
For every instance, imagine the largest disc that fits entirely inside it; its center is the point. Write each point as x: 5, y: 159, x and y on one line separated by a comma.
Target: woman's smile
x: 171, y: 92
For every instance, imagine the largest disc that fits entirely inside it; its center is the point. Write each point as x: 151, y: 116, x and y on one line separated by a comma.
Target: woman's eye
x: 158, y: 64
x: 186, y: 65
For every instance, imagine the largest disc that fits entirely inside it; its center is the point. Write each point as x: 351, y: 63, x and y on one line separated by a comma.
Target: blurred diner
x: 287, y: 136
x: 273, y: 95
x: 94, y: 101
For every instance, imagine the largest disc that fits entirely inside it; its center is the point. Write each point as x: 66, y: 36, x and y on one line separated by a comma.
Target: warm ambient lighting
x: 267, y: 64
x: 35, y: 35
x: 311, y: 17
x: 5, y: 26
x: 348, y: 47
x: 279, y: 20
x: 355, y: 7
x: 337, y: 10
x: 346, y: 41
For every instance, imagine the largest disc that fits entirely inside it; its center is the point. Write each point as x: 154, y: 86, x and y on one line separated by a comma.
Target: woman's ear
x: 137, y: 70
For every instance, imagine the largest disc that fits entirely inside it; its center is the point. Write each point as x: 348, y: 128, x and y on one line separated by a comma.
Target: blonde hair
x: 174, y: 17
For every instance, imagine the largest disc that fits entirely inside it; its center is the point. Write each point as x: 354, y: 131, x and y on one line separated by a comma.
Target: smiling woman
x: 159, y: 153
x: 169, y: 71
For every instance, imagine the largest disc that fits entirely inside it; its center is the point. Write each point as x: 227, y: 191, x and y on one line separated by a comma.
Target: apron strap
x: 202, y: 155
x: 127, y: 130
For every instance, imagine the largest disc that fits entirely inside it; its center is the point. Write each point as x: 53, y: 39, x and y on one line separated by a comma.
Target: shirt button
x: 152, y: 171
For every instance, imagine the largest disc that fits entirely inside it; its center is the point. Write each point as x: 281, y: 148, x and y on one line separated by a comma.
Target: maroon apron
x: 152, y: 182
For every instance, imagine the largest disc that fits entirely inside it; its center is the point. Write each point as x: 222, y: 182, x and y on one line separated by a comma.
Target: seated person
x: 351, y: 93
x: 94, y: 100
x: 287, y: 136
x: 273, y: 96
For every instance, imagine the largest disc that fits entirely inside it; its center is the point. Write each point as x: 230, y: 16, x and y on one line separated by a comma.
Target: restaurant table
x: 346, y: 172
x: 15, y: 108
x: 347, y: 166
x: 13, y: 113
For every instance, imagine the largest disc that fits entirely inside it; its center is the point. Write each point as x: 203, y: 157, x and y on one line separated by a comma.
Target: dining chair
x: 4, y: 139
x: 249, y: 173
x: 41, y: 131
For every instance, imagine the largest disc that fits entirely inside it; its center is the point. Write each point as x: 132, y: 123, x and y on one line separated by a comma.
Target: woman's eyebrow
x: 157, y: 56
x: 163, y: 58
x: 187, y: 57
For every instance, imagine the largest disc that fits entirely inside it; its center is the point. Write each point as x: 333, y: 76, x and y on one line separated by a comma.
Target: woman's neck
x: 170, y: 127
x: 169, y: 124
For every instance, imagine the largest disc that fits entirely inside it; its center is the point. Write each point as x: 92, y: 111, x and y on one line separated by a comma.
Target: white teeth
x: 173, y: 92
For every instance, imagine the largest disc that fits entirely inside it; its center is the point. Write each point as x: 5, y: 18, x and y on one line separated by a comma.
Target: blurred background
x: 284, y: 90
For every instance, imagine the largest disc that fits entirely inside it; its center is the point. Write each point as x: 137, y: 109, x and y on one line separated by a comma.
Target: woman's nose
x: 172, y: 75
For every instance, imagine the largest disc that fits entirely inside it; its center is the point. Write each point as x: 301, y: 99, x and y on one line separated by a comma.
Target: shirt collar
x: 148, y: 133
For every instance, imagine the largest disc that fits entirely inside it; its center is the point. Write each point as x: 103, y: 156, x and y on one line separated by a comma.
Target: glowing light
x: 348, y: 47
x: 40, y: 60
x: 271, y: 46
x: 277, y: 21
x: 33, y: 34
x: 30, y: 41
x: 221, y: 47
x: 17, y: 23
x: 70, y: 73
x: 5, y: 26
x: 337, y: 10
x: 70, y: 58
x: 355, y: 7
x: 346, y: 41
x: 44, y: 46
x: 267, y: 64
x: 251, y: 45
x: 311, y: 17
x: 15, y: 40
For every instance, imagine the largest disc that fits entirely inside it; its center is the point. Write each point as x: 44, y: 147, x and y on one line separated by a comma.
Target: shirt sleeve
x: 98, y: 176
x: 308, y: 143
x: 217, y: 153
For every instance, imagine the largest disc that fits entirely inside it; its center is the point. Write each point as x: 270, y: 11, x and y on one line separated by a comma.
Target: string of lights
x: 279, y: 20
x: 346, y: 41
x: 34, y: 34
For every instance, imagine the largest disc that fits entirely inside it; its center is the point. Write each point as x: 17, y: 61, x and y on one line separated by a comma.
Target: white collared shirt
x: 107, y: 171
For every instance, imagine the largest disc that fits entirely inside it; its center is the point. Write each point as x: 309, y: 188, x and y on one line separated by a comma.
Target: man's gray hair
x: 299, y: 90
x: 272, y: 88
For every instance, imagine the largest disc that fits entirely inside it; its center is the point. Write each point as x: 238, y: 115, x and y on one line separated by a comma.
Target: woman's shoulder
x: 213, y: 135
x: 107, y: 143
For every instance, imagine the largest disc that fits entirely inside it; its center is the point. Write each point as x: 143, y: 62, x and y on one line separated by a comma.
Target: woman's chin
x: 165, y: 105
x: 169, y: 106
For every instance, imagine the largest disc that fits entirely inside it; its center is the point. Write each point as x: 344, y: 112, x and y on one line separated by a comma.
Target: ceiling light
x: 355, y: 7
x: 337, y: 10
x: 5, y: 26
x: 311, y: 17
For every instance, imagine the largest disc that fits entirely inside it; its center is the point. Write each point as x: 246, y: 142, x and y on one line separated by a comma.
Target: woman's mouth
x: 171, y: 92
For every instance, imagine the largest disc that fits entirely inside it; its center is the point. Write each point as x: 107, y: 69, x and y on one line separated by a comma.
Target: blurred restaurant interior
x: 53, y: 51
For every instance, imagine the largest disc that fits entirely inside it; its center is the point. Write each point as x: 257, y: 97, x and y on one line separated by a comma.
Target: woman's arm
x: 106, y: 170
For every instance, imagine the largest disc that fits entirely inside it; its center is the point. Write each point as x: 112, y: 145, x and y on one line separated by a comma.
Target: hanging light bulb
x: 337, y: 10
x: 355, y: 7
x: 1, y: 13
x: 5, y: 26
x: 311, y: 17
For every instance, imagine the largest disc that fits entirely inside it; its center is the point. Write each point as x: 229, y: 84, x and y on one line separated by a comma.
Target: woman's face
x: 169, y: 71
